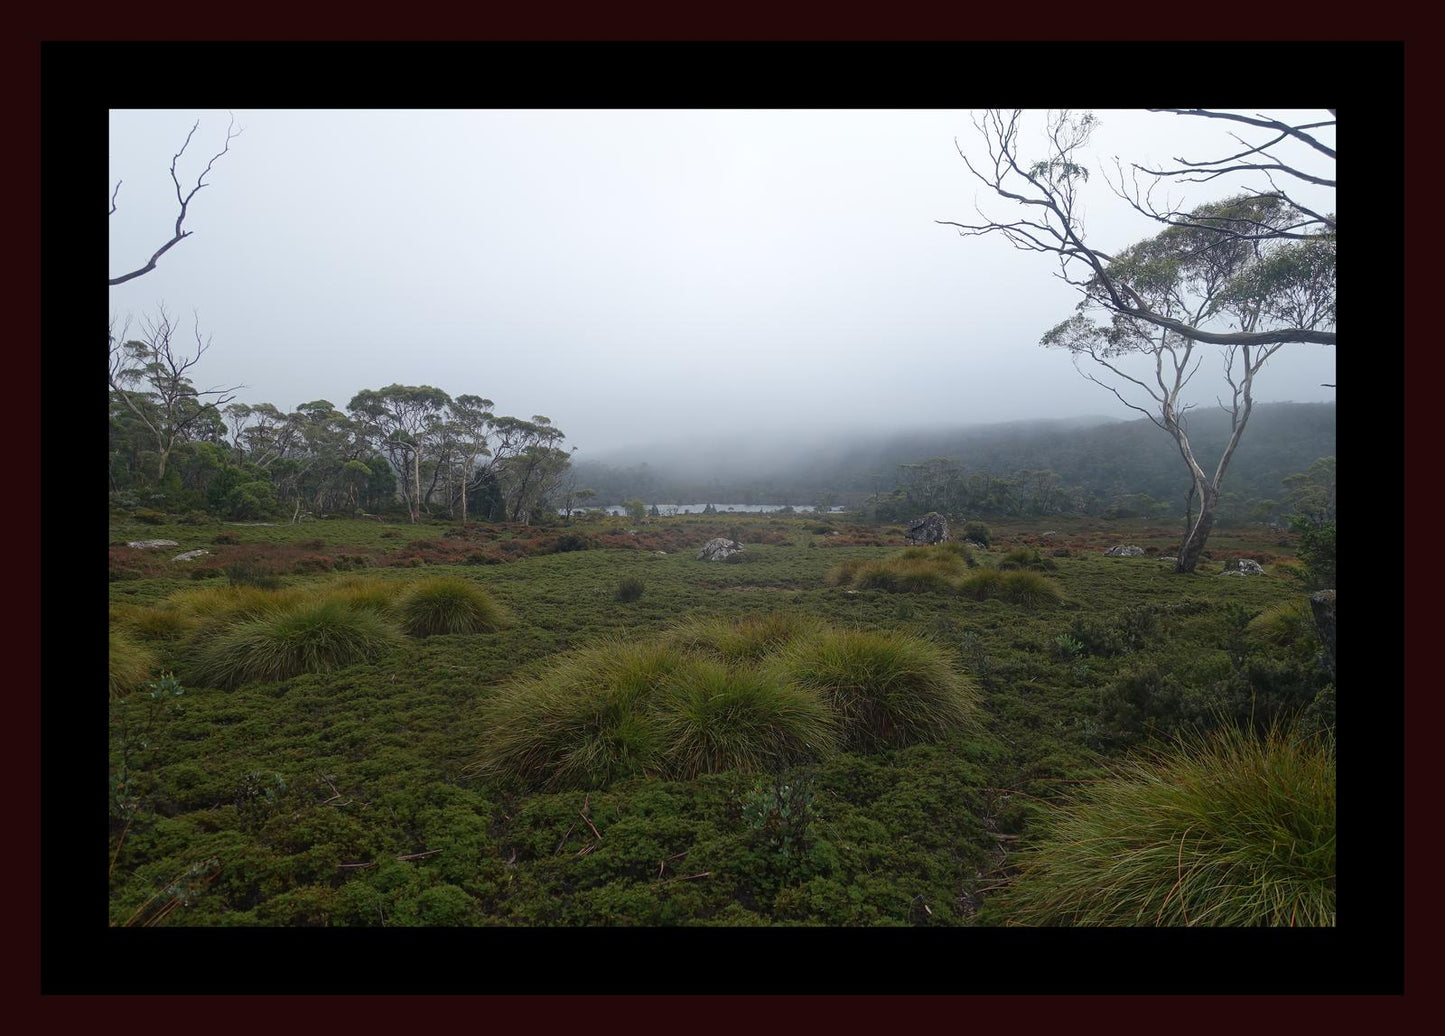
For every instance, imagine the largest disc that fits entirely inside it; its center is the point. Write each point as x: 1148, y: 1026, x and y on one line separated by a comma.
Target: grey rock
x: 931, y: 528
x: 151, y: 544
x: 719, y: 549
x: 190, y: 555
x: 1243, y: 567
x: 1172, y: 561
x: 1124, y: 550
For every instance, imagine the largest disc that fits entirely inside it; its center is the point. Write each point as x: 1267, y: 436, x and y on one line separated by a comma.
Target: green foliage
x: 1316, y: 549
x: 978, y: 532
x: 1027, y: 558
x: 306, y: 638
x: 629, y: 589
x: 448, y: 604
x: 147, y: 516
x: 1229, y: 829
x: 251, y: 573
x: 887, y: 688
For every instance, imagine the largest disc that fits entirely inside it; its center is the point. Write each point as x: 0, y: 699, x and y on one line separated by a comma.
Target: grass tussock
x: 714, y: 718
x: 912, y: 570
x: 161, y: 623
x: 366, y: 593
x: 1228, y: 829
x: 213, y: 605
x: 583, y: 722
x: 313, y: 636
x: 744, y: 641
x: 1020, y: 586
x: 131, y: 664
x: 448, y: 604
x: 887, y: 688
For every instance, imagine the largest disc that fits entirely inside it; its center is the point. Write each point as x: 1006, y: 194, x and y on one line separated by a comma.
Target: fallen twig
x: 690, y: 877
x: 418, y: 856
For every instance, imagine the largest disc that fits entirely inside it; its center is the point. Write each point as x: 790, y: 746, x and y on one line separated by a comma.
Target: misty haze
x: 726, y: 517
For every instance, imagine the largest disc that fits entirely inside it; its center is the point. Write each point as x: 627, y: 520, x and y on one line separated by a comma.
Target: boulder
x: 719, y: 549
x: 1243, y: 567
x: 190, y: 555
x: 1124, y: 550
x: 931, y: 528
x: 152, y: 544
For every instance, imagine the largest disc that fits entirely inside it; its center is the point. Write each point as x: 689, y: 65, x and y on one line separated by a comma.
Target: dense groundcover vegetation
x: 381, y: 723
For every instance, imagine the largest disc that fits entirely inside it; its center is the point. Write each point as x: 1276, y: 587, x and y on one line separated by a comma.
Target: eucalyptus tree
x: 150, y: 376
x: 470, y: 419
x: 1250, y: 273
x: 401, y: 420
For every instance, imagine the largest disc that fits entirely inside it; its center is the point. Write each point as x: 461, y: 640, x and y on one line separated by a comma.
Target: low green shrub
x: 1225, y: 829
x: 447, y: 604
x: 976, y: 531
x: 147, y: 516
x: 251, y: 573
x: 1027, y: 558
x: 313, y: 636
x: 629, y: 589
x: 888, y: 688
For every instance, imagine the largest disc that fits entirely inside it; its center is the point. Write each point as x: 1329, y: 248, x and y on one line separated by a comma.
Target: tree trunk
x: 1194, y: 542
x: 416, y: 494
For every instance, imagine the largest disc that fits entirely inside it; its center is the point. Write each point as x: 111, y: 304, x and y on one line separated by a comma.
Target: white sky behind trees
x: 637, y: 276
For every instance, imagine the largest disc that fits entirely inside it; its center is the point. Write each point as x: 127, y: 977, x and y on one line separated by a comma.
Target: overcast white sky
x: 634, y: 275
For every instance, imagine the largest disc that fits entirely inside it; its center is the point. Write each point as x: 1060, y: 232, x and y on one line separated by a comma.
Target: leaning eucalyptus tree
x: 1250, y: 274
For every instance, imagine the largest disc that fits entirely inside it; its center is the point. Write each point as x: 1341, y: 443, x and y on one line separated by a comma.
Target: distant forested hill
x: 1093, y: 466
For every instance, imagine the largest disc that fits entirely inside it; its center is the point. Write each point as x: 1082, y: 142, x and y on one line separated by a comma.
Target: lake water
x: 669, y: 509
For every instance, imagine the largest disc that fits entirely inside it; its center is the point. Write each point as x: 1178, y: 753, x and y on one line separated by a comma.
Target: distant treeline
x: 1122, y: 469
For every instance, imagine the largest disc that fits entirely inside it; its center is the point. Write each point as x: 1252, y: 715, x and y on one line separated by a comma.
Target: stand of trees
x: 408, y: 447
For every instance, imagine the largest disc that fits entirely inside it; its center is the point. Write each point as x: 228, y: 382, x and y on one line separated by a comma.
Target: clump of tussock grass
x: 131, y: 664
x: 912, y: 570
x: 747, y: 640
x: 887, y: 688
x: 584, y: 721
x: 1027, y: 558
x: 1219, y: 829
x: 162, y: 622
x: 1017, y: 587
x: 447, y: 604
x: 629, y: 589
x: 714, y: 718
x: 1289, y: 626
x: 312, y: 636
x: 213, y: 605
x: 364, y: 592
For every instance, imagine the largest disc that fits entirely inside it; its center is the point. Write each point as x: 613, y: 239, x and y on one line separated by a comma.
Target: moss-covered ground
x: 352, y: 796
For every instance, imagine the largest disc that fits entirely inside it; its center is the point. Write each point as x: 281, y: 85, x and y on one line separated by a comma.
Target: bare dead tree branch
x: 1297, y: 132
x: 179, y: 234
